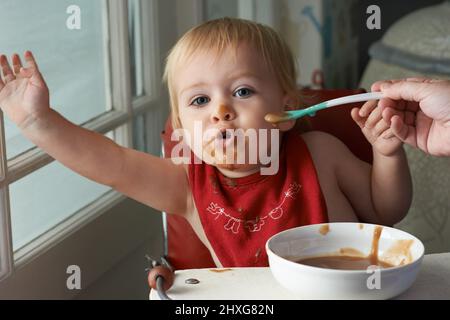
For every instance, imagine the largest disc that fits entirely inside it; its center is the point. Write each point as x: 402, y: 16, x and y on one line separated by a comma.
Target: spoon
x: 311, y: 111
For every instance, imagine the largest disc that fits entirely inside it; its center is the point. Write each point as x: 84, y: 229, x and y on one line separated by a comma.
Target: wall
x: 321, y: 36
x: 127, y: 280
x: 331, y: 36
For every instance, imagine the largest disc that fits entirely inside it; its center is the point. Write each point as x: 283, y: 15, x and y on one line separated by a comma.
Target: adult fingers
x: 409, y: 108
x: 376, y: 85
x: 409, y: 118
x: 415, y: 79
x: 424, y: 80
x: 409, y: 90
x: 423, y: 125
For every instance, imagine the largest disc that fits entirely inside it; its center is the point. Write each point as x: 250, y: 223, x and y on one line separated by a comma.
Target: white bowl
x: 308, y: 282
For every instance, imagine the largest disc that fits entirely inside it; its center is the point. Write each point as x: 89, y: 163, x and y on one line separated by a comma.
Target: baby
x: 223, y: 76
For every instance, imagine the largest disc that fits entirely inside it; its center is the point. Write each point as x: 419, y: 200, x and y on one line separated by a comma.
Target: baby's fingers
x: 17, y: 64
x: 408, y: 117
x: 380, y: 128
x: 31, y: 61
x: 360, y: 121
x: 400, y: 129
x: 6, y: 69
x: 32, y: 71
x: 373, y: 117
x: 367, y: 108
x: 26, y: 72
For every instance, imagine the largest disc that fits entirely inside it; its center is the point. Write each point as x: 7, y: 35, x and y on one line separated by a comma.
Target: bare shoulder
x: 342, y: 176
x: 325, y: 147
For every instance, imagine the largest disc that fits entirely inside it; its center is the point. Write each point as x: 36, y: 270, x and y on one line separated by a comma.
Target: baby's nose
x: 223, y: 113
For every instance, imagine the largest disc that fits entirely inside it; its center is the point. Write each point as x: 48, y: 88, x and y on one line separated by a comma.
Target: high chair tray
x: 433, y: 282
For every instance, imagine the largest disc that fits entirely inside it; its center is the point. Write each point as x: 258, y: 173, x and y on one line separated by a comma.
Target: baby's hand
x: 23, y: 93
x: 376, y: 129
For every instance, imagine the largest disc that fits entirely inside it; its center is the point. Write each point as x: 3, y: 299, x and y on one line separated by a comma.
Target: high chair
x: 183, y: 249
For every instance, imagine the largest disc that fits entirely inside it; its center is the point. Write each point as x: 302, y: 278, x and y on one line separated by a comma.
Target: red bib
x: 239, y: 215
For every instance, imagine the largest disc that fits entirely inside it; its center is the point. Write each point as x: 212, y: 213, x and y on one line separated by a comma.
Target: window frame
x: 151, y: 66
x: 119, y: 119
x: 6, y: 256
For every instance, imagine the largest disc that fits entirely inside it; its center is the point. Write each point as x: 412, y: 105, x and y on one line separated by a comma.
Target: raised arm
x: 390, y: 179
x: 24, y: 97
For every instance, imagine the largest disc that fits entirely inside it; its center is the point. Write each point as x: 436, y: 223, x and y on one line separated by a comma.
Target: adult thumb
x: 406, y: 90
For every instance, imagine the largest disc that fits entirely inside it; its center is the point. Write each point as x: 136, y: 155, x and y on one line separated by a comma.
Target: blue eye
x: 243, y: 92
x: 200, y: 101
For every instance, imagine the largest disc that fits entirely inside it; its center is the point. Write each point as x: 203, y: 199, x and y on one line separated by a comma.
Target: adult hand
x: 418, y: 111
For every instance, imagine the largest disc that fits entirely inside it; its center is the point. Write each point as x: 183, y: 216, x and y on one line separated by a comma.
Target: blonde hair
x: 217, y: 35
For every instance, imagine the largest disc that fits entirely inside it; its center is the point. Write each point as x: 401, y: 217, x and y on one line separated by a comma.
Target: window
x: 74, y: 62
x: 135, y: 36
x: 262, y: 11
x: 45, y: 198
x: 149, y: 110
x: 217, y: 9
x: 88, y: 71
x: 77, y: 77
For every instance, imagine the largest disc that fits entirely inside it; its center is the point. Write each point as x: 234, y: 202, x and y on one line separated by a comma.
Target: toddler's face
x: 227, y: 92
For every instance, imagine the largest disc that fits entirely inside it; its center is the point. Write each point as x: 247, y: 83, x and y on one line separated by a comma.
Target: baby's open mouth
x: 224, y: 137
x: 224, y: 134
